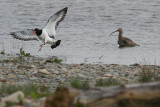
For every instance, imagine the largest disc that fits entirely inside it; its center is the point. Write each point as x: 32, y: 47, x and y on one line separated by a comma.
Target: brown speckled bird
x: 123, y: 41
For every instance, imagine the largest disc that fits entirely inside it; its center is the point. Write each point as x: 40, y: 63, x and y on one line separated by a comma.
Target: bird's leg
x: 42, y: 44
x: 41, y: 47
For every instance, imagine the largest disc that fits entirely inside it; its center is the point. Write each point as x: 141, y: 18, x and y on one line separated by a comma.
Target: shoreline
x: 52, y: 72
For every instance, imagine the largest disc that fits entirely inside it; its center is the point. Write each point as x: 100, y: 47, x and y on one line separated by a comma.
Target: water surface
x: 86, y: 28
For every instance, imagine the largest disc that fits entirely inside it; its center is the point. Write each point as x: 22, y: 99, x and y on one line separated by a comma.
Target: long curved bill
x: 113, y: 32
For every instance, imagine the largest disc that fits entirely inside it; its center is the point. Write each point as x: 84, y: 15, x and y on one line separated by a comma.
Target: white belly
x: 42, y: 37
x: 45, y: 38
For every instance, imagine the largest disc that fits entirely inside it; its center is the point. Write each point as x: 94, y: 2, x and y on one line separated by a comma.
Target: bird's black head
x: 37, y: 31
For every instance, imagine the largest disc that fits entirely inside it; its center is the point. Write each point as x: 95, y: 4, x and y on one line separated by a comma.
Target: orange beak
x: 34, y: 32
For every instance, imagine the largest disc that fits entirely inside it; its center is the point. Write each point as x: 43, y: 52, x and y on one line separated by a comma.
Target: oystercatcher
x: 123, y: 41
x: 47, y: 35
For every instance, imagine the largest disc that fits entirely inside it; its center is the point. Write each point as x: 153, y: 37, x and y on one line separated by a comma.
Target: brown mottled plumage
x: 123, y: 41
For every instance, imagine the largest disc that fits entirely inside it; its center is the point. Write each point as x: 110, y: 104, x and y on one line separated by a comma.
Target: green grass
x: 57, y: 60
x: 109, y: 82
x: 3, y: 52
x: 30, y: 90
x: 53, y: 60
x: 78, y: 84
x: 148, y: 75
x: 23, y: 53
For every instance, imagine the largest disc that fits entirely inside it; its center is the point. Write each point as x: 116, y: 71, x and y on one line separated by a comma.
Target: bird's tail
x: 57, y: 43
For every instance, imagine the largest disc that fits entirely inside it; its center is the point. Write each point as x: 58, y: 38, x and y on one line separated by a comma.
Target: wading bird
x: 47, y: 35
x: 123, y: 41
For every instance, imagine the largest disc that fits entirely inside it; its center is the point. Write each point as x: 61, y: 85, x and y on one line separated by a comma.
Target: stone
x: 64, y: 69
x: 108, y: 75
x: 81, y: 76
x: 33, y: 78
x: 21, y: 76
x: 25, y: 66
x: 2, y: 79
x: 28, y: 103
x: 53, y: 71
x: 44, y: 71
x: 14, y: 98
x: 126, y: 74
x: 39, y: 75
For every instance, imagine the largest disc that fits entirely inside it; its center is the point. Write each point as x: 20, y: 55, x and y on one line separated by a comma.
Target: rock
x: 64, y: 70
x: 49, y: 67
x: 25, y: 66
x: 126, y: 74
x: 42, y: 67
x: 39, y: 75
x: 21, y: 76
x: 81, y: 76
x: 2, y: 79
x: 14, y: 98
x: 110, y: 70
x: 63, y: 75
x: 136, y: 64
x: 53, y: 71
x: 58, y: 77
x: 108, y: 75
x: 28, y: 103
x: 50, y: 60
x: 44, y: 71
x: 33, y: 78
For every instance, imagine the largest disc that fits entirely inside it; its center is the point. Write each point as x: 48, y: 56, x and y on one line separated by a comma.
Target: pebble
x: 25, y: 66
x: 108, y: 75
x: 44, y: 71
x: 54, y: 71
x: 52, y: 74
x: 21, y: 76
x: 13, y: 98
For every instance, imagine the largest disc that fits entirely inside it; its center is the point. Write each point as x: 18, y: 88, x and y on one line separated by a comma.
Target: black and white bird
x: 47, y: 35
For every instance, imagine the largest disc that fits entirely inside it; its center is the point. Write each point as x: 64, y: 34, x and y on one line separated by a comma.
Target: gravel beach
x: 47, y: 72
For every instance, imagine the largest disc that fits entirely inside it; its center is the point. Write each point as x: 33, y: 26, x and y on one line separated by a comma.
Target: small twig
x: 101, y: 56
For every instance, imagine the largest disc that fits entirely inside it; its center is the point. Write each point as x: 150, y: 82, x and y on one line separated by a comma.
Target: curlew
x: 123, y: 41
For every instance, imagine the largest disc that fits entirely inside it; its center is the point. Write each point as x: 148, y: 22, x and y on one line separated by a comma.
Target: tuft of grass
x: 30, y: 90
x: 21, y: 99
x: 57, y: 60
x: 109, y: 82
x: 148, y: 75
x: 3, y: 52
x: 79, y: 84
x: 22, y: 53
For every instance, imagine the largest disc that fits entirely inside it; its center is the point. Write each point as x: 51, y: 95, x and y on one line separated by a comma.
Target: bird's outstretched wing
x: 25, y: 35
x: 54, y: 21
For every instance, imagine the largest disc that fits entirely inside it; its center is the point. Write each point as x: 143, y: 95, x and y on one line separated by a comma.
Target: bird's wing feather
x: 25, y: 35
x: 54, y: 21
x: 129, y: 40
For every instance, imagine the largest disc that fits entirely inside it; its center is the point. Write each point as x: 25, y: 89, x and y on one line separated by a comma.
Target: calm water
x: 86, y: 28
